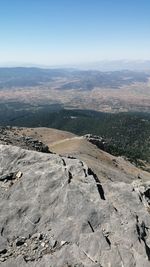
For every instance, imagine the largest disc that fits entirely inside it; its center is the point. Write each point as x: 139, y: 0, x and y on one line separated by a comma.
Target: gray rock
x: 60, y: 221
x: 20, y: 241
x: 3, y: 245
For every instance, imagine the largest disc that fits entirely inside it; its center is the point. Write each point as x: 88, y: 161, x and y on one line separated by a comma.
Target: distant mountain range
x: 102, y: 65
x: 75, y: 79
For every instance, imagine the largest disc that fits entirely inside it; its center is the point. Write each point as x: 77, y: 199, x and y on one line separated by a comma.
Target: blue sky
x: 51, y: 32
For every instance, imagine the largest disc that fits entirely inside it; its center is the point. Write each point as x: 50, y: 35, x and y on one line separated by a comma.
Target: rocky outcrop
x: 54, y: 211
x: 99, y: 141
x: 9, y: 135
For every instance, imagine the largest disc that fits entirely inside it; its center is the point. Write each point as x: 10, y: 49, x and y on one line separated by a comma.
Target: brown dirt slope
x: 46, y: 135
x: 104, y: 165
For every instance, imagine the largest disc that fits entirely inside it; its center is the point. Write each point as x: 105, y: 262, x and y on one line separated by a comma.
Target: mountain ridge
x: 61, y: 211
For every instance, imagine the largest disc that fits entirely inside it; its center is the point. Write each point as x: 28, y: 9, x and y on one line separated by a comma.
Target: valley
x: 118, y: 91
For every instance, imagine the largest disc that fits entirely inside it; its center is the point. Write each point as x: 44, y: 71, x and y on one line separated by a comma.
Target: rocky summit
x: 56, y: 212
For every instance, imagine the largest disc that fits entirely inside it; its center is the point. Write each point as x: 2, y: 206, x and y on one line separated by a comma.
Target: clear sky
x: 52, y: 32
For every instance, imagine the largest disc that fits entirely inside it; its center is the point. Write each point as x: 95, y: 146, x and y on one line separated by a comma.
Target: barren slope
x: 55, y: 211
x: 46, y: 135
x: 103, y: 164
x: 66, y: 143
x: 83, y: 208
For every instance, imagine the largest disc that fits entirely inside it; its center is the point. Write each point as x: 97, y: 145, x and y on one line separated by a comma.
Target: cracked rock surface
x: 55, y: 212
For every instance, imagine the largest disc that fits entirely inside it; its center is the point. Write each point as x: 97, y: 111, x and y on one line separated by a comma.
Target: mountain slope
x: 56, y: 211
x: 105, y: 165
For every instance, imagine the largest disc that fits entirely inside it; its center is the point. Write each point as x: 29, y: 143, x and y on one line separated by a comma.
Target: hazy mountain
x: 75, y: 79
x: 102, y: 65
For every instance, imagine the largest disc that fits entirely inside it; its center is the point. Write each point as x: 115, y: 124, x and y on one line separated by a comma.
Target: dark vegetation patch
x: 127, y: 134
